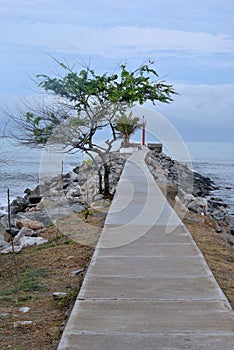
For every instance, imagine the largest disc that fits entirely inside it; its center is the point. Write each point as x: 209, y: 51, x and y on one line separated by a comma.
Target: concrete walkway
x: 148, y: 286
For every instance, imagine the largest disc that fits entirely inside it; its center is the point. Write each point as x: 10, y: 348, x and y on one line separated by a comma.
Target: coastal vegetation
x: 78, y: 108
x: 125, y: 126
x: 81, y: 109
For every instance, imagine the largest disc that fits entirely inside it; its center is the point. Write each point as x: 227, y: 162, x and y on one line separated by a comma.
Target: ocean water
x: 216, y: 160
x: 21, y: 171
x: 22, y: 168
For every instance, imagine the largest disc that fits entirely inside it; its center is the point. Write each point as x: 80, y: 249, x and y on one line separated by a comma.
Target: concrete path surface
x: 148, y: 286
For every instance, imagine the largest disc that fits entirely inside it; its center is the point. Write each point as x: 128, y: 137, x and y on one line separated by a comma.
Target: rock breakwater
x: 73, y: 192
x: 78, y: 192
x: 189, y: 191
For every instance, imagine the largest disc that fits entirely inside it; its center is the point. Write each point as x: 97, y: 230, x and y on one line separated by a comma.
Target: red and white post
x: 143, y: 131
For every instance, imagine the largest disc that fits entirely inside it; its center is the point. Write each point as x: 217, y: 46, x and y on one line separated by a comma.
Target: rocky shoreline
x: 77, y: 191
x: 74, y: 192
x: 189, y: 191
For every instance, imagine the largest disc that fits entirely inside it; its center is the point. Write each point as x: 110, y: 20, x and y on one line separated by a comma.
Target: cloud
x: 120, y: 41
x: 202, y: 111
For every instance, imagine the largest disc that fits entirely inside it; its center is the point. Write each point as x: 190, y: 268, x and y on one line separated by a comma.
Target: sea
x: 23, y: 168
x: 20, y: 168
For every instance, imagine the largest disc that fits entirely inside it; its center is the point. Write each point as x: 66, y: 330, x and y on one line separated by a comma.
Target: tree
x: 88, y: 104
x: 125, y: 126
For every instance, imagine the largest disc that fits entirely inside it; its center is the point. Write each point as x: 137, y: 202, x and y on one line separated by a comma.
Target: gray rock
x: 218, y: 228
x: 73, y: 177
x: 229, y: 220
x: 13, y: 231
x: 28, y: 241
x: 101, y: 204
x: 188, y: 198
x: 19, y: 204
x: 218, y: 215
x: 76, y: 272
x: 24, y: 309
x: 172, y: 190
x: 195, y: 207
x: 3, y: 243
x: 23, y: 239
x: 25, y: 231
x: 59, y: 295
x: 202, y: 202
x: 34, y: 199
x: 9, y: 249
x: 98, y: 197
x: 74, y: 192
x: 77, y: 208
x: 22, y: 323
x: 40, y: 216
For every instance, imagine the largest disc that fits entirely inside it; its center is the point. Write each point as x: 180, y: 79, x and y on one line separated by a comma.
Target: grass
x: 218, y: 254
x: 43, y: 270
x: 30, y: 282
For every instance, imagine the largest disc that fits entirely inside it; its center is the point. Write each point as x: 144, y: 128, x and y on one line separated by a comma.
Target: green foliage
x: 68, y: 300
x: 86, y: 87
x: 30, y: 282
x: 95, y: 98
x: 91, y: 102
x: 88, y: 162
x: 60, y: 239
x: 87, y: 212
x: 126, y: 125
x: 76, y: 122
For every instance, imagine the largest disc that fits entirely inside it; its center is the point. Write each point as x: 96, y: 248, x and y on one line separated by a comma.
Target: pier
x: 148, y: 286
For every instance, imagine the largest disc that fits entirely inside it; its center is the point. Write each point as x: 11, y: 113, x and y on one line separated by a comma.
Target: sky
x: 191, y: 43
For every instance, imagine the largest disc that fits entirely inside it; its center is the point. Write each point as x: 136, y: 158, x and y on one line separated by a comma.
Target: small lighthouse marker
x: 143, y: 130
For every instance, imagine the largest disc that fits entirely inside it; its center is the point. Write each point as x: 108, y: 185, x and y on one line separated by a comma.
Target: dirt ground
x: 45, y: 269
x: 218, y: 254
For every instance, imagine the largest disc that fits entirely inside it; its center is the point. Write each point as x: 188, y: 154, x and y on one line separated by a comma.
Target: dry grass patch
x: 43, y: 270
x: 218, y: 254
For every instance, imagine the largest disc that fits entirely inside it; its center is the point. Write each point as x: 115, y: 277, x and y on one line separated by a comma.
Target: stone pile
x: 79, y: 189
x: 74, y: 192
x: 191, y: 191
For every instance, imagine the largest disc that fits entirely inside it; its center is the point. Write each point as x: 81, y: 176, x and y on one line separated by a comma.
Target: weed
x: 30, y: 282
x: 59, y: 240
x: 68, y: 301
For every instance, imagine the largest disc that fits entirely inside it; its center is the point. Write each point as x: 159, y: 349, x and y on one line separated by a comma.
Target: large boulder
x: 218, y: 215
x: 24, y: 232
x: 28, y: 241
x: 4, y: 236
x: 18, y: 205
x: 73, y: 193
x: 3, y: 243
x: 102, y: 204
x: 22, y: 243
x: 179, y: 207
x: 195, y: 207
x: 32, y: 224
x: 47, y: 203
x: 9, y: 249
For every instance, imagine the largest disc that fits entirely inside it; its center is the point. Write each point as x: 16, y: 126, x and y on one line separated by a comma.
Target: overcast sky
x: 191, y: 43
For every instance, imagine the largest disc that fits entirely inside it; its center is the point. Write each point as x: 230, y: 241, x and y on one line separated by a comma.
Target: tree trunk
x: 106, y: 180
x: 126, y: 141
x: 100, y: 180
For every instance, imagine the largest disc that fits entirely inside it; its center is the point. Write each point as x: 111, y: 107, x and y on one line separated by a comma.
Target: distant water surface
x: 215, y: 160
x: 22, y: 167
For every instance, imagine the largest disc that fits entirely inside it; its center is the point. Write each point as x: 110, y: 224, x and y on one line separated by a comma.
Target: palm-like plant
x: 126, y: 125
